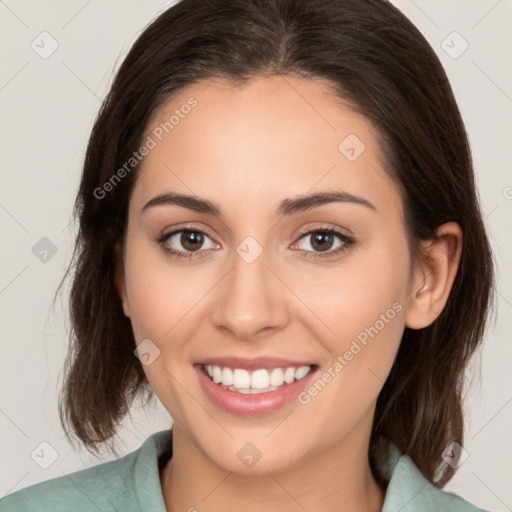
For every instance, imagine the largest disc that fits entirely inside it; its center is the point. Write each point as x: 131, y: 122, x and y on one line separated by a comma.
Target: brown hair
x: 380, y: 63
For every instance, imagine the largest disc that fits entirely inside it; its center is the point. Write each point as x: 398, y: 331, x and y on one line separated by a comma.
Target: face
x: 265, y: 318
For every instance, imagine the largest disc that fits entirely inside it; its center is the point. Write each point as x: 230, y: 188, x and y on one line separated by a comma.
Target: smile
x: 253, y: 387
x: 261, y: 380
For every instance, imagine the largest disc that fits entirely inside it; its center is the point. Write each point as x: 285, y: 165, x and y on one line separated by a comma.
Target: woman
x: 278, y: 217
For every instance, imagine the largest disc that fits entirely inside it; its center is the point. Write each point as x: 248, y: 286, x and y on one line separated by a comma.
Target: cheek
x: 363, y: 299
x: 369, y: 306
x: 163, y: 305
x: 364, y: 306
x: 160, y: 295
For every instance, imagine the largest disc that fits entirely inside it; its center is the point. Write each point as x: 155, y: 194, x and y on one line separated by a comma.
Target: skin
x: 247, y: 148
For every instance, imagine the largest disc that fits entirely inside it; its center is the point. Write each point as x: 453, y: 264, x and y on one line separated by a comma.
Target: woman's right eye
x: 190, y: 240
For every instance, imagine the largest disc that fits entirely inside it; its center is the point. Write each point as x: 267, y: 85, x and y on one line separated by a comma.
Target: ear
x: 119, y: 279
x: 433, y: 276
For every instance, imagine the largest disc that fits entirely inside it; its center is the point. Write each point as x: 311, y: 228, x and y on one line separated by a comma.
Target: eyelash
x: 347, y: 243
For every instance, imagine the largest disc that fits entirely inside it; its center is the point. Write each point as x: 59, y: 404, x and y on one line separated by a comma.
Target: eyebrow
x: 286, y: 207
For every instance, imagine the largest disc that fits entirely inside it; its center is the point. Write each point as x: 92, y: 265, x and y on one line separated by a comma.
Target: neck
x: 338, y: 479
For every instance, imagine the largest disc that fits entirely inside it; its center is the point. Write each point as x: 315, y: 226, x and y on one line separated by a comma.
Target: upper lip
x: 253, y: 363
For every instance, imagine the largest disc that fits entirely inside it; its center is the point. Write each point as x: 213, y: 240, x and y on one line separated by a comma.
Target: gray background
x: 47, y: 109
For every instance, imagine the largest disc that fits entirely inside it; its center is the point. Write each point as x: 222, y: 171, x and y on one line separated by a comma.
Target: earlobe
x: 434, y: 275
x: 119, y: 281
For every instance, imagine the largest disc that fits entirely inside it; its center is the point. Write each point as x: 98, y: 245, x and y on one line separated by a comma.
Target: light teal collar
x: 407, y: 491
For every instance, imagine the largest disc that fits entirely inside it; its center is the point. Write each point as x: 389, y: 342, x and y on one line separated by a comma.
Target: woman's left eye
x: 193, y: 239
x: 323, y: 238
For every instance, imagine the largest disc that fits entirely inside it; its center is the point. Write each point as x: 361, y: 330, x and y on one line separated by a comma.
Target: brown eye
x: 186, y: 243
x: 191, y: 240
x: 321, y: 241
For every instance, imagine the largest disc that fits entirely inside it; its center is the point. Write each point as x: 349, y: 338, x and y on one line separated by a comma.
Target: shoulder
x: 409, y: 491
x: 89, y: 489
x: 420, y: 495
x: 107, y: 487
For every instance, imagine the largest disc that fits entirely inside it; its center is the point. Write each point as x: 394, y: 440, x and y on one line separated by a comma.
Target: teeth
x: 289, y: 375
x: 217, y: 374
x: 259, y: 381
x: 241, y: 379
x: 277, y: 377
x: 251, y: 391
x: 301, y: 372
x: 227, y: 376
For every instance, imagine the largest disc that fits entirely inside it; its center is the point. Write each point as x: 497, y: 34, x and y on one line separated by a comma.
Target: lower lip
x: 252, y: 404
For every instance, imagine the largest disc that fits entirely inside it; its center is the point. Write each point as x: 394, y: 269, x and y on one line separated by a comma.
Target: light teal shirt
x: 132, y: 484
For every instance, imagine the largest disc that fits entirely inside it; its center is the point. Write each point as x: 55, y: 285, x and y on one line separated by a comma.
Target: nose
x: 251, y: 300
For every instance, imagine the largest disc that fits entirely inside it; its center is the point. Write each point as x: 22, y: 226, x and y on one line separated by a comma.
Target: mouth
x: 261, y: 380
x: 253, y: 387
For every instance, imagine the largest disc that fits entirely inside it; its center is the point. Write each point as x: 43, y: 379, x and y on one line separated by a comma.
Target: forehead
x: 270, y: 138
